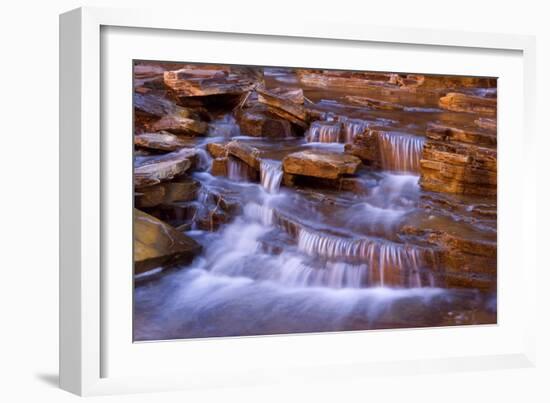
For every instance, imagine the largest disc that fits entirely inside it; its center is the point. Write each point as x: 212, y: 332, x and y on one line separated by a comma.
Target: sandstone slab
x: 285, y: 103
x: 192, y: 82
x: 320, y: 164
x: 245, y: 152
x: 459, y: 102
x: 164, y: 168
x: 159, y: 141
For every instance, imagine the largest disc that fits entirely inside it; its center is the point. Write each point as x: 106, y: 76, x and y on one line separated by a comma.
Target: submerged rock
x: 372, y: 103
x: 458, y: 102
x: 320, y: 164
x: 157, y: 243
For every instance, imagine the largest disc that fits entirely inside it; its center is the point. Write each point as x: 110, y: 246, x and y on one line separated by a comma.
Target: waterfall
x: 352, y: 127
x: 383, y: 256
x: 226, y: 126
x: 271, y: 174
x: 237, y: 170
x: 333, y: 275
x: 259, y: 212
x: 204, y: 160
x: 324, y: 132
x: 400, y: 152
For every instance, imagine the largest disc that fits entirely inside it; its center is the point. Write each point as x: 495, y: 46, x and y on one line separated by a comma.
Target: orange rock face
x: 258, y: 122
x: 458, y: 102
x: 288, y: 104
x: 459, y: 161
x: 320, y: 164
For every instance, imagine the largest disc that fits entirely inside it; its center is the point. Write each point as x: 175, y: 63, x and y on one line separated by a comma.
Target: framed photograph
x: 237, y: 197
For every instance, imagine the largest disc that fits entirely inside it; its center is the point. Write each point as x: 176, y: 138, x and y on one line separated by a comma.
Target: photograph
x: 273, y: 200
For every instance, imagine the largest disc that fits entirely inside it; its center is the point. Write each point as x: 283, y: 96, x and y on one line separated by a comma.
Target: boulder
x: 180, y: 123
x: 458, y: 102
x: 245, y: 152
x: 158, y: 244
x: 184, y: 189
x: 320, y: 164
x: 159, y: 141
x: 164, y: 168
x: 258, y: 122
x: 154, y: 105
x: 287, y: 103
x: 366, y: 146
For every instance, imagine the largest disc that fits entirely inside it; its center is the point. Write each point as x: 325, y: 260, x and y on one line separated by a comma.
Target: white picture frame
x: 85, y: 345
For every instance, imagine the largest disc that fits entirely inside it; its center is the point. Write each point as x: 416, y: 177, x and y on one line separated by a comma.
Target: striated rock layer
x: 459, y: 161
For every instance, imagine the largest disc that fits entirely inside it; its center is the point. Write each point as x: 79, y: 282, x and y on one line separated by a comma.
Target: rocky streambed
x: 272, y: 200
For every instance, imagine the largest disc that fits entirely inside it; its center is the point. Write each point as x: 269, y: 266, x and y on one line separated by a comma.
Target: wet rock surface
x: 288, y: 201
x: 320, y: 164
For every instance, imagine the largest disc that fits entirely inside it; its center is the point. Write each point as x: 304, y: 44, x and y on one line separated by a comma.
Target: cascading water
x: 352, y: 127
x: 271, y: 174
x: 226, y: 126
x: 400, y: 152
x: 324, y: 132
x: 306, y: 258
x: 237, y: 170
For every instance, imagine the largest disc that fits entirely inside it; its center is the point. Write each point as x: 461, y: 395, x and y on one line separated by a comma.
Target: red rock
x: 320, y: 164
x: 216, y: 150
x: 286, y: 103
x: 442, y: 132
x: 219, y: 166
x: 258, y: 122
x: 245, y: 152
x: 191, y: 82
x: 458, y: 102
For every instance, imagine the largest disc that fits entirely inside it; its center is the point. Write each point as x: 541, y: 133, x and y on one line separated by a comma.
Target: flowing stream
x: 310, y: 260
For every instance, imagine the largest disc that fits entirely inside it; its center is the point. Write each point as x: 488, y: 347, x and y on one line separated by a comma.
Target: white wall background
x: 29, y: 197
